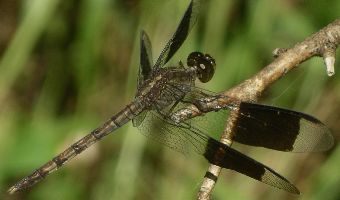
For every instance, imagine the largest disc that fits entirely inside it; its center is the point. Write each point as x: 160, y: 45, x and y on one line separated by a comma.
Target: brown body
x: 162, y: 92
x: 153, y: 94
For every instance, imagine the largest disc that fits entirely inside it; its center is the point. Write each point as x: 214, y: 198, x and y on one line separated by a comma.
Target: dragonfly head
x: 204, y: 65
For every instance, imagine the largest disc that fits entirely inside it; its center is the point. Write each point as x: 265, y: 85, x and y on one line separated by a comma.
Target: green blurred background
x: 66, y: 66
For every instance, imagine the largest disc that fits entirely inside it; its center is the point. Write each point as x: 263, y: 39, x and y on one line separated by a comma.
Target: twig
x: 323, y: 43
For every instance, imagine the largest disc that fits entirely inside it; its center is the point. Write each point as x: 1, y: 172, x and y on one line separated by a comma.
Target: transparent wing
x: 157, y: 128
x: 137, y: 121
x: 185, y: 138
x: 182, y: 31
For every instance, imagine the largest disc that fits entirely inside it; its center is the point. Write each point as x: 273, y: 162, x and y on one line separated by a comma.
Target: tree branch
x: 323, y: 43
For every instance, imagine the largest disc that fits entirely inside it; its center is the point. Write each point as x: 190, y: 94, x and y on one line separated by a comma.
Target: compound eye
x: 204, y: 64
x: 193, y: 58
x: 206, y: 68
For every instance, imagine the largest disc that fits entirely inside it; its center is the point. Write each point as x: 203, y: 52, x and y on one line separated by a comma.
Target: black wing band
x: 186, y: 24
x: 145, y: 58
x: 281, y: 129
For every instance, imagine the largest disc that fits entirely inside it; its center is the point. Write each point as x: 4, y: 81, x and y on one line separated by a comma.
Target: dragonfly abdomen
x: 116, y: 121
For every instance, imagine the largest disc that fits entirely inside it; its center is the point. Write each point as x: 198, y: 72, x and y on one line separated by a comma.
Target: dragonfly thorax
x: 204, y: 65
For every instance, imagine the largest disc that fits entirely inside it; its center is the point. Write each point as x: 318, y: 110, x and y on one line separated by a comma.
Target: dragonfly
x: 162, y: 90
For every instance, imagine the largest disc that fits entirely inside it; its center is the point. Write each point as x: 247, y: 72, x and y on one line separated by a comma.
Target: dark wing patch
x: 145, y: 58
x: 182, y: 31
x: 226, y: 157
x: 281, y: 129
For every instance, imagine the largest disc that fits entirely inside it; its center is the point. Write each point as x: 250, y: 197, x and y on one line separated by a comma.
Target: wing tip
x: 274, y: 179
x: 294, y: 190
x: 320, y: 137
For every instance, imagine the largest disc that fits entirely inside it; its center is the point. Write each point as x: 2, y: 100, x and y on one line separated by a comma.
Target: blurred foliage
x: 66, y: 66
